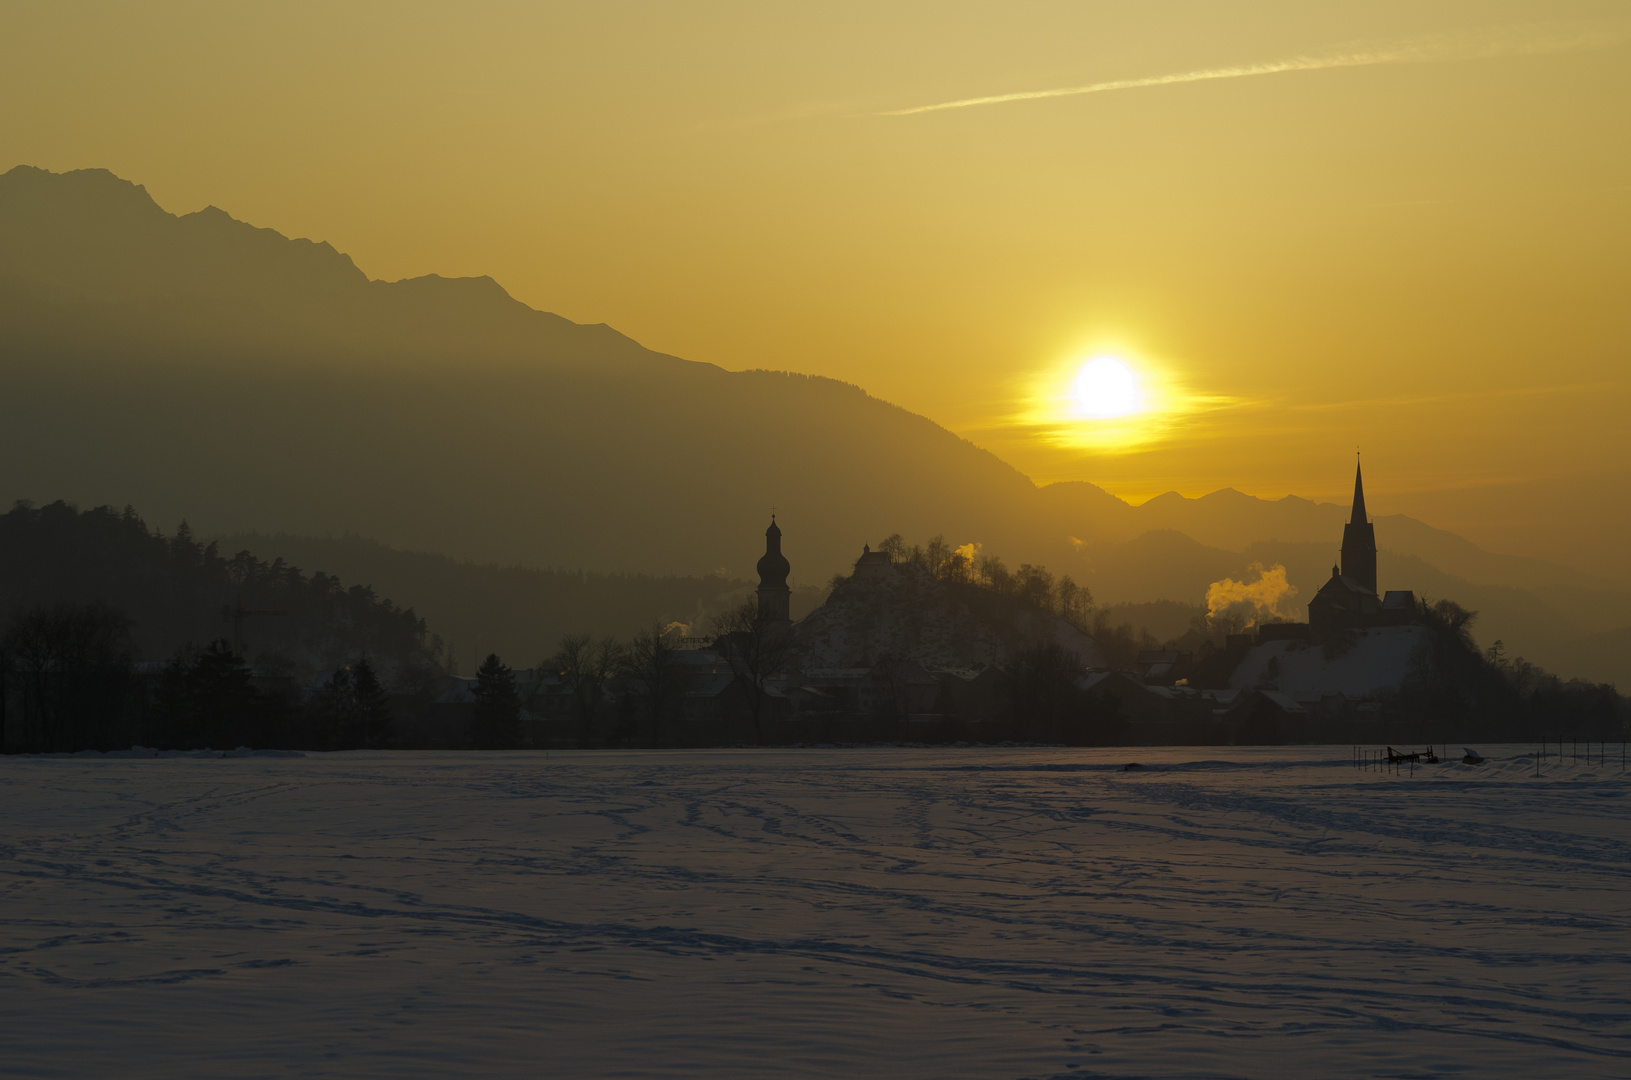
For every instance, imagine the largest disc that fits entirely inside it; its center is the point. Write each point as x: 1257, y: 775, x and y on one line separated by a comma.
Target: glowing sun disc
x: 1106, y: 388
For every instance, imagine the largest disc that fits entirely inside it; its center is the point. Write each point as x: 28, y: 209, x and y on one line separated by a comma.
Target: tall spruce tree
x: 208, y: 699
x: 498, y: 708
x: 333, y: 721
x: 376, y: 728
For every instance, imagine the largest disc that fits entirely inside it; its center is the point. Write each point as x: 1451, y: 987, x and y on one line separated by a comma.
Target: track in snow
x: 979, y: 913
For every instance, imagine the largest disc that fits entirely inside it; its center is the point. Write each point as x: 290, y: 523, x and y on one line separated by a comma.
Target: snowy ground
x: 1375, y: 661
x: 889, y: 913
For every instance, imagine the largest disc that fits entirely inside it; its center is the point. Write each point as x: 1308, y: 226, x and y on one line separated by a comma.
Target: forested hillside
x: 174, y: 591
x: 519, y: 612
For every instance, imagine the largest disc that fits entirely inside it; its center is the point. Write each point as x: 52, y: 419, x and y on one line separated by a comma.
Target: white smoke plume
x: 1486, y: 44
x: 1255, y: 601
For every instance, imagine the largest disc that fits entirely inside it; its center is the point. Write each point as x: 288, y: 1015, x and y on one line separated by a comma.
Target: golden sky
x: 1304, y: 227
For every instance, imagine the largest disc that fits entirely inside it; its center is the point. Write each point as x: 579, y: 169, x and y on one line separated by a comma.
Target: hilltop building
x: 1348, y: 601
x: 873, y: 565
x: 1308, y: 680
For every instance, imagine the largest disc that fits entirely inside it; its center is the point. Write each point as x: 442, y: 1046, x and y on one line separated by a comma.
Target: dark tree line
x: 175, y: 590
x: 638, y: 686
x: 113, y: 635
x: 513, y: 610
x: 1048, y: 704
x: 68, y: 683
x: 66, y: 679
x: 1455, y: 691
x: 352, y: 711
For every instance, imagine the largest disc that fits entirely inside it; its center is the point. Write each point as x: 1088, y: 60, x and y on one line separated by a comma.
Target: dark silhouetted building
x: 1359, y: 540
x: 1348, y: 601
x: 873, y: 564
x: 775, y: 598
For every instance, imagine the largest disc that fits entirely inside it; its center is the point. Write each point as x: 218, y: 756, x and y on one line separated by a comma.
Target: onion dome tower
x: 774, y: 596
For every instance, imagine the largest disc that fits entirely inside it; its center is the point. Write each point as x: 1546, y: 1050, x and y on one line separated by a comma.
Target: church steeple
x: 1359, y: 517
x: 1359, y: 540
x: 775, y: 598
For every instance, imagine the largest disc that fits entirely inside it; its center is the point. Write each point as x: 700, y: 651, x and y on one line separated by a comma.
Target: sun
x: 1104, y: 397
x: 1105, y: 388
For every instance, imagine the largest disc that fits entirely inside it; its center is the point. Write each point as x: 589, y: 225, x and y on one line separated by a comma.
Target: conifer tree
x: 376, y: 728
x: 336, y: 712
x: 498, y: 709
x: 229, y: 706
x: 208, y: 699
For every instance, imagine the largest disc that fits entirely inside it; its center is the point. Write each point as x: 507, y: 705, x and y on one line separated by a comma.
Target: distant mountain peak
x: 95, y: 192
x: 92, y: 256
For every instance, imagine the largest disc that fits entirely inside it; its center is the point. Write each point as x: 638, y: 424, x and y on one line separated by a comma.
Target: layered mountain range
x: 202, y: 368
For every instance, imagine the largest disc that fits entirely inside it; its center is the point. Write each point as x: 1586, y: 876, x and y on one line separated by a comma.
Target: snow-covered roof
x: 1343, y: 584
x: 1097, y: 678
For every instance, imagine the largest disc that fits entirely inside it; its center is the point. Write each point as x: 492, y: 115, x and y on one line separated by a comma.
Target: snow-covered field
x: 891, y: 913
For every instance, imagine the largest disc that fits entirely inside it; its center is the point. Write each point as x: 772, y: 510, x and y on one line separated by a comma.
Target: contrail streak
x: 1418, y: 51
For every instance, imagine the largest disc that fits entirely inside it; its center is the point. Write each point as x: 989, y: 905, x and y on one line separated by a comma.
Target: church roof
x: 1340, y: 587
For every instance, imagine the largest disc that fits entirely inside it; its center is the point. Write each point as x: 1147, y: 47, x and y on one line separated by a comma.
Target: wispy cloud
x: 1484, y: 44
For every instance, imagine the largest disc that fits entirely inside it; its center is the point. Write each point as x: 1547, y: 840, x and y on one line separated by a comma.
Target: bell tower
x: 1359, y: 540
x: 775, y: 598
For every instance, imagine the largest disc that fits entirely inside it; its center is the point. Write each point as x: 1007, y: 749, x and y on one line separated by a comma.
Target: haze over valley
x: 985, y: 541
x: 265, y: 390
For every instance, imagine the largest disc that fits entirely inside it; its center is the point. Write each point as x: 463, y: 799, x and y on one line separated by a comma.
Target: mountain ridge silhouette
x: 202, y: 367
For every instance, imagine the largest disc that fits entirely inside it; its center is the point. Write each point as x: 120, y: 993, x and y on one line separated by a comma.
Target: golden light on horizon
x: 1109, y: 399
x: 1106, y: 398
x: 1295, y: 232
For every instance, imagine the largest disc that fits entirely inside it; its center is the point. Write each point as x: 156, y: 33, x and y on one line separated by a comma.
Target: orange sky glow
x: 1304, y: 229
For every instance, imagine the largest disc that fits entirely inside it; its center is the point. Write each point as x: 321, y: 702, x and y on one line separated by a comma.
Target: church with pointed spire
x: 1349, y: 600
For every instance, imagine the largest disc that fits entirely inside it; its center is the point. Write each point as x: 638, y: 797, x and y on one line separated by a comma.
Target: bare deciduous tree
x: 1034, y: 586
x: 585, y: 664
x: 73, y: 666
x: 658, y: 675
x: 758, y: 649
x: 1075, y: 603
